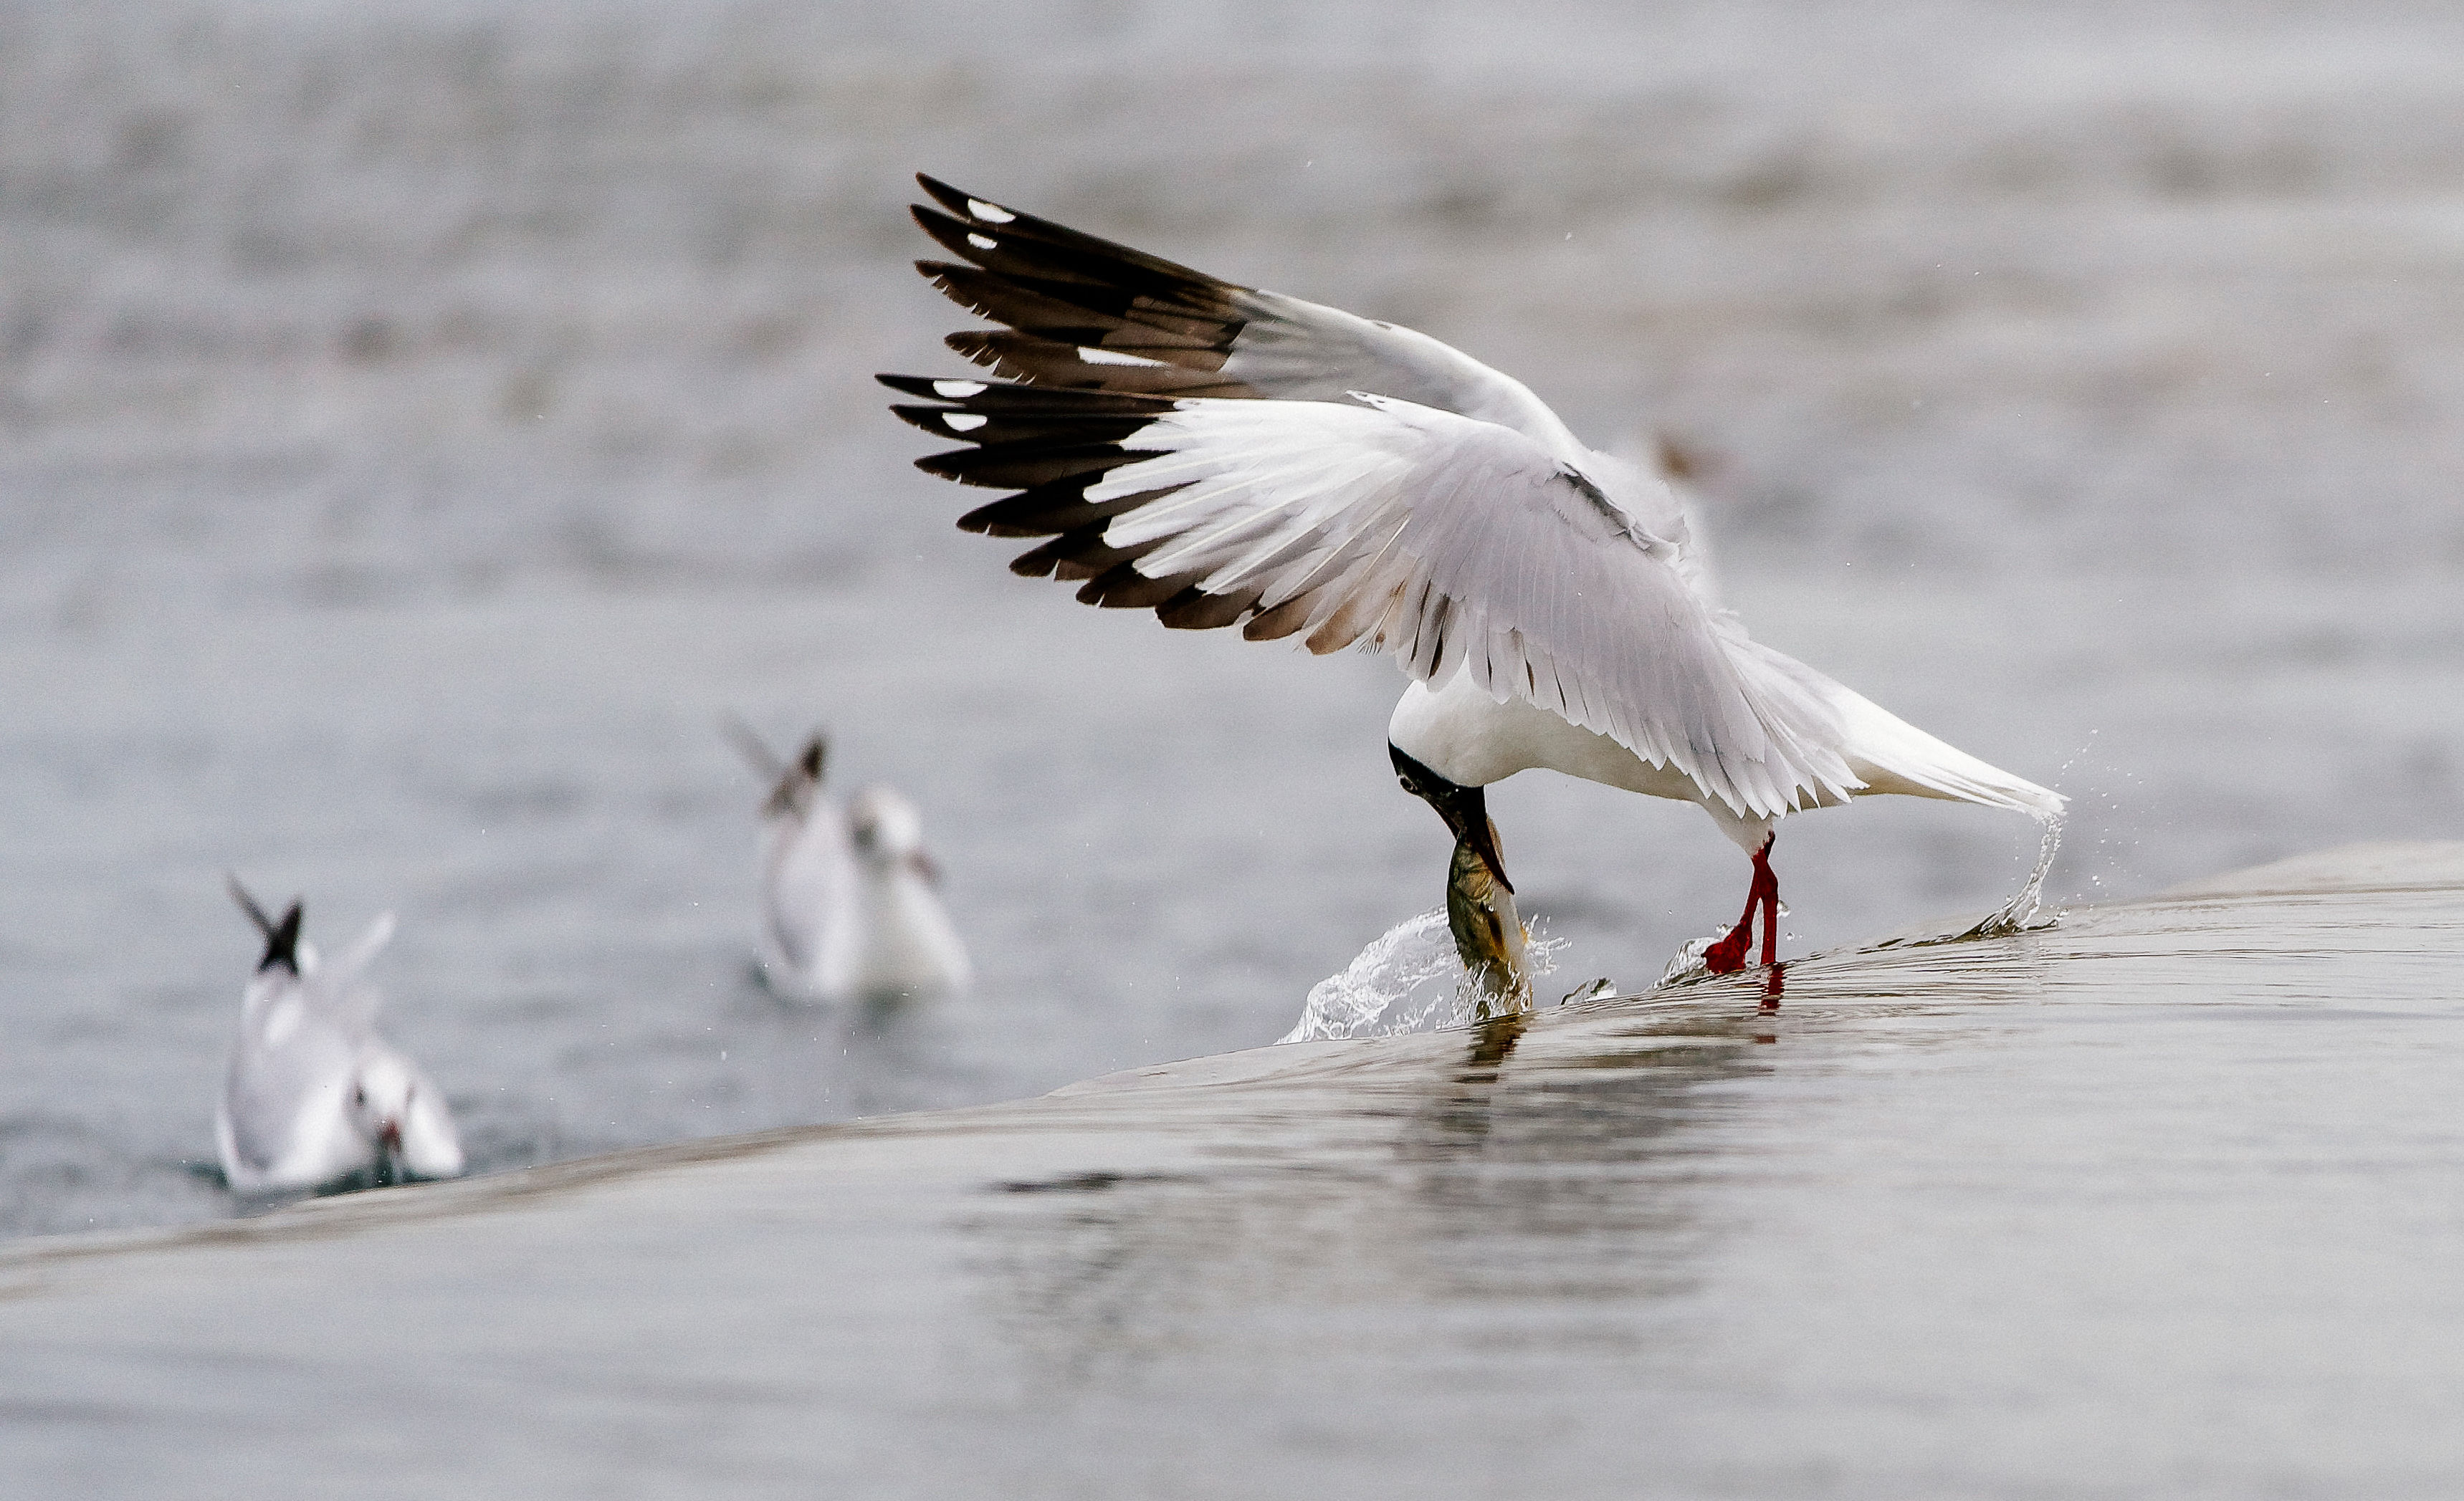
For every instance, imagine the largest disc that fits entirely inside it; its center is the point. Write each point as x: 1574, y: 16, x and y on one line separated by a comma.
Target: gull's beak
x: 1476, y: 830
x: 1465, y: 810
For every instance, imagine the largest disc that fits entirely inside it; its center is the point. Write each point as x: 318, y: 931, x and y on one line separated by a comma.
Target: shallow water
x: 418, y: 426
x: 2160, y: 1199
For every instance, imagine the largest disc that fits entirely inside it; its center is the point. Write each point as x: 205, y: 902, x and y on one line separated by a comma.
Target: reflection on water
x: 1566, y: 1176
x: 1513, y: 1161
x: 2164, y: 1191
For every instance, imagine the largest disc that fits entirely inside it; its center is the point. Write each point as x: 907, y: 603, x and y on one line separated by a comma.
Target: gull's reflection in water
x: 1464, y: 1106
x: 1536, y: 1161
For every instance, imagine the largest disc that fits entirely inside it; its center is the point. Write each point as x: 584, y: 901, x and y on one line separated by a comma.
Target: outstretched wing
x: 1449, y: 542
x: 337, y: 989
x: 1090, y: 315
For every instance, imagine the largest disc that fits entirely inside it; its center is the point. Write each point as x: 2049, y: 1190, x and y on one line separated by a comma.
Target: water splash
x: 2018, y: 914
x: 1687, y: 963
x: 1409, y: 979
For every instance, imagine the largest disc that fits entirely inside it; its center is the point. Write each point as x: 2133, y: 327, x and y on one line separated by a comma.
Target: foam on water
x: 1409, y: 979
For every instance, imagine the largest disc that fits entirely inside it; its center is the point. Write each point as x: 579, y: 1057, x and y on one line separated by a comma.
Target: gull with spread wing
x: 1224, y: 455
x: 313, y: 1096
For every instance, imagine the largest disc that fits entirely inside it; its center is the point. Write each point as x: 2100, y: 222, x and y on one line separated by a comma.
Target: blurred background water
x: 418, y: 424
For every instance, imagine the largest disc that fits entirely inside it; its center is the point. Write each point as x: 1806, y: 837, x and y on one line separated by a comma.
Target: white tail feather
x: 1892, y: 755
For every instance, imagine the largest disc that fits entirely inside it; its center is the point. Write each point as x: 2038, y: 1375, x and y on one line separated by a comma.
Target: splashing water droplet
x: 2018, y: 914
x: 1686, y: 963
x: 1409, y: 979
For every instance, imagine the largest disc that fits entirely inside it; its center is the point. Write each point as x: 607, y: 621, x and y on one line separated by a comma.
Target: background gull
x: 849, y: 898
x: 807, y: 867
x: 904, y: 944
x: 314, y: 1097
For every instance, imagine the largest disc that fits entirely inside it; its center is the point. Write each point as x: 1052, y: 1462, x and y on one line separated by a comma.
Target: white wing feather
x: 1297, y: 350
x: 1447, y: 543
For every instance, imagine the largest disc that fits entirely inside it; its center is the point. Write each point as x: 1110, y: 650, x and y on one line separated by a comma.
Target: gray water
x: 418, y: 426
x: 2163, y: 1201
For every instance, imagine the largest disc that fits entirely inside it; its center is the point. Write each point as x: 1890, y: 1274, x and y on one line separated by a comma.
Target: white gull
x: 849, y: 898
x: 1225, y: 455
x: 313, y: 1096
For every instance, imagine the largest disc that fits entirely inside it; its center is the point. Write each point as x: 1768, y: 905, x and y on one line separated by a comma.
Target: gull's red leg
x: 1728, y: 956
x: 1766, y: 886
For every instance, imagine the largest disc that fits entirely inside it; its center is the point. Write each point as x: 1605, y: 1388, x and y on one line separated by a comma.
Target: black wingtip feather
x: 1002, y: 399
x: 281, y: 938
x: 1122, y: 587
x: 1194, y: 609
x: 1064, y: 427
x: 1021, y: 465
x: 1058, y: 421
x: 283, y: 945
x: 945, y: 195
x: 1051, y: 510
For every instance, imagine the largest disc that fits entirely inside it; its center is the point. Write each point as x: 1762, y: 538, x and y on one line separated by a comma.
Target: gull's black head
x: 1465, y: 809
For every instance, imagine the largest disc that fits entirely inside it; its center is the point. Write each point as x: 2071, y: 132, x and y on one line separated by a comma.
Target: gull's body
x: 313, y: 1096
x: 904, y: 943
x: 1225, y: 455
x: 808, y: 873
x: 849, y: 895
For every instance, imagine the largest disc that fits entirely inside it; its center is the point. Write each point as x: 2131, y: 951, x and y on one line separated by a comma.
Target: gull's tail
x: 1891, y: 756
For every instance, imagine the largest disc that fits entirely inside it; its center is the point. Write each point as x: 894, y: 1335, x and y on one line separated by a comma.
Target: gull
x: 807, y: 871
x: 848, y: 896
x: 313, y: 1096
x: 905, y: 942
x: 1225, y: 455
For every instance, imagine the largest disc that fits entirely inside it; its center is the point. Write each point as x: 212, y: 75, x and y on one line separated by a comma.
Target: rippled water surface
x: 419, y: 424
x: 2161, y: 1200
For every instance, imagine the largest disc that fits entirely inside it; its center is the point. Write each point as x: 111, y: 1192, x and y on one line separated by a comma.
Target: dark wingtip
x: 247, y: 904
x: 944, y: 194
x: 977, y: 345
x: 927, y: 418
x: 283, y: 945
x: 282, y: 942
x: 750, y: 745
x: 281, y: 938
x: 794, y: 776
x: 913, y: 385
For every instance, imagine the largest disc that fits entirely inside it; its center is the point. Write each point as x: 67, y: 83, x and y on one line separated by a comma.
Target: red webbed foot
x: 1728, y: 956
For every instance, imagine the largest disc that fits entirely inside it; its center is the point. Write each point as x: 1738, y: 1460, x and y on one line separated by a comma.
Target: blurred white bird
x: 904, y: 943
x: 313, y: 1096
x: 848, y: 898
x: 1225, y: 455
